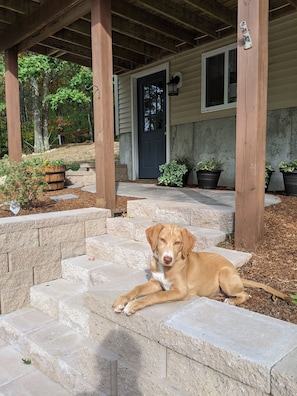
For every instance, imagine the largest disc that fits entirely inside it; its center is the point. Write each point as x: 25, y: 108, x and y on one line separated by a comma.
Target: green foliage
x: 294, y: 298
x: 210, y: 165
x: 184, y: 160
x: 41, y: 161
x: 268, y: 170
x: 172, y: 174
x: 65, y: 94
x: 290, y: 166
x: 21, y: 184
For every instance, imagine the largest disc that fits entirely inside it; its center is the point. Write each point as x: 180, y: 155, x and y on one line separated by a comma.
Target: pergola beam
x: 103, y: 103
x: 251, y: 118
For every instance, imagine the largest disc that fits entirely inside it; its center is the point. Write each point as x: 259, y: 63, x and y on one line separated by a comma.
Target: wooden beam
x: 216, y: 10
x: 13, y: 105
x: 251, y: 118
x: 103, y: 103
x: 139, y: 15
x: 47, y: 19
x: 178, y: 13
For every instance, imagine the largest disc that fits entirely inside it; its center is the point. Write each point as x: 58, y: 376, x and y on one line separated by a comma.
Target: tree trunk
x: 46, y: 81
x: 38, y: 141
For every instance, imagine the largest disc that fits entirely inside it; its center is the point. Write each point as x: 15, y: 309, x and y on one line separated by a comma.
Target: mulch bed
x: 274, y: 262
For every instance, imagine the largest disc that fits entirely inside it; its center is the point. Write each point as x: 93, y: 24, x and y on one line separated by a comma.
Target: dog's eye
x: 162, y: 240
x: 177, y: 242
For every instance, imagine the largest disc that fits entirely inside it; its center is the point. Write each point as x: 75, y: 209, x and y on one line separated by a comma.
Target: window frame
x: 222, y: 50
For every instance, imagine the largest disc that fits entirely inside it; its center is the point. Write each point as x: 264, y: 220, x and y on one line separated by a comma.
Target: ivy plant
x: 171, y: 174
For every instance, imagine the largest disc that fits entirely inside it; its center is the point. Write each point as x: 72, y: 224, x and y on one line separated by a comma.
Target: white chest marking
x: 159, y: 276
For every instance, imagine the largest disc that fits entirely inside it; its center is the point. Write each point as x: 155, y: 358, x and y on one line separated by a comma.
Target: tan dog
x: 177, y: 273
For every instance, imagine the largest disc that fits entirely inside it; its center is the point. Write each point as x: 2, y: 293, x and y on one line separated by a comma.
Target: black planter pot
x: 290, y: 182
x: 208, y: 179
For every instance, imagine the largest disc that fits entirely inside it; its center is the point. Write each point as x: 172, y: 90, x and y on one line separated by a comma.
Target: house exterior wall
x: 194, y: 134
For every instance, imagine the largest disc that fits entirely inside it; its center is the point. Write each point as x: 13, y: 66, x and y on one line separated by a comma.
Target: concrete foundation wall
x: 32, y: 247
x: 217, y: 138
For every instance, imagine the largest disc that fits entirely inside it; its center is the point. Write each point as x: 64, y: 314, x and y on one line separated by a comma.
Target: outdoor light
x: 174, y: 84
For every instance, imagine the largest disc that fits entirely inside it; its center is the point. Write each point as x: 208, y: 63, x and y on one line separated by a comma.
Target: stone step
x: 56, y: 350
x: 119, y: 250
x: 216, y: 216
x: 134, y: 229
x: 17, y: 378
x: 219, y: 346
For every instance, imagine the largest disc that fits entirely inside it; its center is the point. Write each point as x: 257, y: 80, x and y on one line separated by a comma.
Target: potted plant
x: 289, y: 171
x: 208, y: 173
x: 172, y: 173
x: 268, y: 172
x: 53, y: 171
x: 185, y: 161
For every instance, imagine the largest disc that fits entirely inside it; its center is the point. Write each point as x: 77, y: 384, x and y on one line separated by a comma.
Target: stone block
x: 197, y: 379
x: 46, y: 297
x: 33, y: 257
x: 213, y: 218
x: 131, y: 382
x: 236, y: 257
x: 172, y: 212
x: 74, y: 314
x: 95, y: 227
x: 46, y: 273
x: 73, y: 248
x: 73, y: 216
x: 16, y: 224
x: 144, y: 354
x: 61, y: 233
x: 16, y: 280
x: 133, y: 254
x: 103, y: 246
x: 245, y: 345
x: 19, y: 240
x: 3, y: 263
x: 99, y: 367
x: 284, y: 375
x: 79, y: 269
x: 142, y: 208
x: 14, y: 299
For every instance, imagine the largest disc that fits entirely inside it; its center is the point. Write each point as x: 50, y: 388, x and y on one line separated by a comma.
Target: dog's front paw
x: 119, y: 304
x: 131, y: 307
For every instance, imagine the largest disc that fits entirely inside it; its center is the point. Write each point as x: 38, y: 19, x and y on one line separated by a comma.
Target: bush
x: 172, y: 174
x: 20, y: 184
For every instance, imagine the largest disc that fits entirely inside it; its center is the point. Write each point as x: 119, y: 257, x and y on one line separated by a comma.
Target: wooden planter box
x: 54, y: 177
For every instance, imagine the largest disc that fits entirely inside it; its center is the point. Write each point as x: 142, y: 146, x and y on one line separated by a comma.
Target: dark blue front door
x: 151, y: 99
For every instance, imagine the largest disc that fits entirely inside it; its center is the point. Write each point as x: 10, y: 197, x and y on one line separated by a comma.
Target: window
x: 219, y: 76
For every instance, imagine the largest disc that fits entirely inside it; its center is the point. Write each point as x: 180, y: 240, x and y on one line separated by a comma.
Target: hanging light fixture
x: 174, y: 84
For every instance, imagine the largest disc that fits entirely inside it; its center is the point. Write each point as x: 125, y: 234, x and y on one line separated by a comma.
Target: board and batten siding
x: 186, y: 107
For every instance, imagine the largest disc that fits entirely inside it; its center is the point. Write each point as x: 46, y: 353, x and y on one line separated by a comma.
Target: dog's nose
x: 167, y: 259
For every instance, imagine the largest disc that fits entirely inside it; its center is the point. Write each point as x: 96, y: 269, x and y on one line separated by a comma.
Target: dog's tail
x: 269, y: 289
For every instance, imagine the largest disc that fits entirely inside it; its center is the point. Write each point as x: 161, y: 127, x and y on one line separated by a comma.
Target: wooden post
x: 103, y: 103
x: 251, y: 118
x: 13, y: 105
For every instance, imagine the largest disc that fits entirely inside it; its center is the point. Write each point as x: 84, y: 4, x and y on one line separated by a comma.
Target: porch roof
x: 142, y: 31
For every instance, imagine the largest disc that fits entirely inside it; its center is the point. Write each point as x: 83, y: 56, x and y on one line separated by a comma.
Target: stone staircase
x: 194, y: 347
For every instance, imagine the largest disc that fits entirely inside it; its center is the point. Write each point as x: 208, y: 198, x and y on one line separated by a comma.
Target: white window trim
x: 206, y: 55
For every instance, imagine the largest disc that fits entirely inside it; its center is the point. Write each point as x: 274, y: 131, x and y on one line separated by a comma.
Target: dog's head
x: 170, y: 243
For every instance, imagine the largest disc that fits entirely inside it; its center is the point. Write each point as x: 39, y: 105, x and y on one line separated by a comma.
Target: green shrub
x: 21, y: 184
x: 172, y: 174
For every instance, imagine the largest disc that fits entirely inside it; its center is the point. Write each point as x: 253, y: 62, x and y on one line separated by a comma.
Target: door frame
x: 134, y: 116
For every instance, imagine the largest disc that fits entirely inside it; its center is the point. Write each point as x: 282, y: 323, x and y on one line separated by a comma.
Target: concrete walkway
x: 189, y: 195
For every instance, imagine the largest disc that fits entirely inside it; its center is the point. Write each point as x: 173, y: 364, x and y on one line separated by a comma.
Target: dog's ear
x: 188, y: 242
x: 152, y: 235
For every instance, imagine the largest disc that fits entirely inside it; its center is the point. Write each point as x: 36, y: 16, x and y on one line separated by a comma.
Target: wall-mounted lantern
x: 174, y: 84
